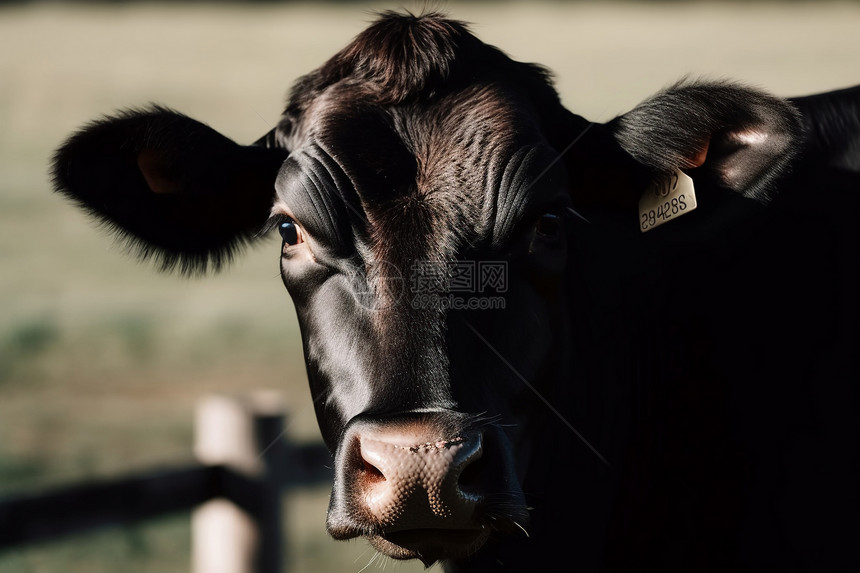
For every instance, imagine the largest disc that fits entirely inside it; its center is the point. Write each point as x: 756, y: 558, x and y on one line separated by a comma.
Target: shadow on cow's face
x: 425, y: 261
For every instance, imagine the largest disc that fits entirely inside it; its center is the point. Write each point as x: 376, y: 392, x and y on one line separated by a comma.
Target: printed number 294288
x: 664, y: 211
x: 666, y: 199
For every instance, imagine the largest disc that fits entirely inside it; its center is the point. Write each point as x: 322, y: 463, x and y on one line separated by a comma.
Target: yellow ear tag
x: 666, y: 199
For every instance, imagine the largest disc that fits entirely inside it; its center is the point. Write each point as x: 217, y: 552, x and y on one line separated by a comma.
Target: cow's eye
x: 290, y: 232
x: 548, y: 225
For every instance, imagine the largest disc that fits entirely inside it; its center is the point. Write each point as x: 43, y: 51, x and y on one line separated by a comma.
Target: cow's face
x: 424, y: 186
x: 391, y: 234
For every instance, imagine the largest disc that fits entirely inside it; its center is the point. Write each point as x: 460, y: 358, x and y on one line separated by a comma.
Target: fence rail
x: 245, y: 463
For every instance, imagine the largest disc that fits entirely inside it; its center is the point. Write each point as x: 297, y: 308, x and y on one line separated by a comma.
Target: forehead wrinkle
x: 458, y: 145
x: 510, y: 196
x: 313, y: 192
x: 498, y: 132
x: 385, y: 171
x: 528, y: 180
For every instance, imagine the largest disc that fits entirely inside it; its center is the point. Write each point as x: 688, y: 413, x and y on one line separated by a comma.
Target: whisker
x: 362, y: 554
x: 372, y: 559
x: 523, y: 529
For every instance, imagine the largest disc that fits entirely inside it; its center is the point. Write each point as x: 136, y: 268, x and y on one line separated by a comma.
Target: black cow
x: 509, y: 373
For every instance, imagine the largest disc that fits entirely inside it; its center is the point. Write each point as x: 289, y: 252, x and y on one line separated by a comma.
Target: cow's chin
x: 430, y: 545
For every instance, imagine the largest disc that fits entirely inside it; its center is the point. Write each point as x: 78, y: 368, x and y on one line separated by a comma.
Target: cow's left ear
x: 173, y: 188
x: 743, y: 138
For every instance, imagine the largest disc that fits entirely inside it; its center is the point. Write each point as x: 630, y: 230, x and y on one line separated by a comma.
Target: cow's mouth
x: 430, y: 545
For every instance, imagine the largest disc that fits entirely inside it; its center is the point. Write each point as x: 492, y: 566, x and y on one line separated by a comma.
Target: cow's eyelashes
x: 290, y: 232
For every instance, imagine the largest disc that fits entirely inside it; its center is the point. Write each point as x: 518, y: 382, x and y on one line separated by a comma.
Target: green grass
x: 102, y: 359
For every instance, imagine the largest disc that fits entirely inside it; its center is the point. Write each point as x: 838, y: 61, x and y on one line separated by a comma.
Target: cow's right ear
x: 741, y: 139
x: 176, y: 190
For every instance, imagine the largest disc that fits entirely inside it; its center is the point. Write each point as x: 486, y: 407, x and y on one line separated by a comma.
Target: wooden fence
x: 243, y: 465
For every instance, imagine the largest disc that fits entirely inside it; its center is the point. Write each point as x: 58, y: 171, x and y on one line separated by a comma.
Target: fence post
x: 269, y: 410
x: 243, y: 434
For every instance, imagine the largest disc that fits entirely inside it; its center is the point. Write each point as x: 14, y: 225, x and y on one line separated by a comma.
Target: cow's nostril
x: 371, y: 472
x: 470, y: 478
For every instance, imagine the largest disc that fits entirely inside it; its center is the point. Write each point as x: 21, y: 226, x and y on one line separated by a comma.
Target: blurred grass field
x: 102, y: 359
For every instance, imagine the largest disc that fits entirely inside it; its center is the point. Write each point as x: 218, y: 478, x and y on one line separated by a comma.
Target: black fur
x: 198, y: 221
x: 832, y: 128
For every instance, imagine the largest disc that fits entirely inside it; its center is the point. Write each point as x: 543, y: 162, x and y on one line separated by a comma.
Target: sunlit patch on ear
x: 750, y: 137
x: 738, y: 167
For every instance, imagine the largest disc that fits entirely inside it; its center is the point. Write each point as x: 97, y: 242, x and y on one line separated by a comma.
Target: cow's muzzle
x: 422, y: 487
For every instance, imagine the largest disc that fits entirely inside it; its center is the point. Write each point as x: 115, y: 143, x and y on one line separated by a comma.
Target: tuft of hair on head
x: 404, y: 55
x: 402, y: 59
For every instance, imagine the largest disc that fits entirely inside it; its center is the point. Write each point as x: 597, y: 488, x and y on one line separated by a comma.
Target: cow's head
x: 426, y: 188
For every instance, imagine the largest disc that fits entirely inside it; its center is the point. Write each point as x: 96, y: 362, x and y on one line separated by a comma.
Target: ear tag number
x: 666, y: 199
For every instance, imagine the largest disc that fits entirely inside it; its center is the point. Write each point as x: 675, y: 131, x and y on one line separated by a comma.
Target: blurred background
x: 102, y: 359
